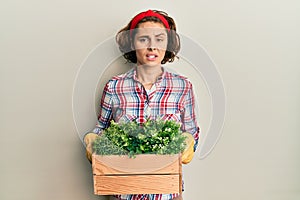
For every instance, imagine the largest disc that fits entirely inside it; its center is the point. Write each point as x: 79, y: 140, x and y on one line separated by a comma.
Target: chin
x: 150, y: 64
x: 153, y: 64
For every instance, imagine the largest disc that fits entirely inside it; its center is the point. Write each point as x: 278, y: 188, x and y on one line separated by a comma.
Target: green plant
x: 151, y: 137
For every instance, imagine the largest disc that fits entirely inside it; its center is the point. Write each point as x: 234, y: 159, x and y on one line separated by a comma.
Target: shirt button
x: 148, y: 111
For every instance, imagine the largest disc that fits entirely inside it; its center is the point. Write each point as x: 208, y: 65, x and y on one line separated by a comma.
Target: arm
x: 105, y: 114
x: 104, y: 118
x: 189, y: 126
x: 189, y: 117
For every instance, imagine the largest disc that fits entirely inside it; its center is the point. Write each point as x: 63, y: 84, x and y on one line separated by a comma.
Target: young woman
x: 148, y: 91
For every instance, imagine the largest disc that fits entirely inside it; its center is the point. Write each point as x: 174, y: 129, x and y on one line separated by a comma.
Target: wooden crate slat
x: 145, y: 163
x: 137, y: 184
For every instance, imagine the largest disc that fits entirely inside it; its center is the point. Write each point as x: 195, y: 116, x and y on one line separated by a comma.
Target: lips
x: 151, y: 56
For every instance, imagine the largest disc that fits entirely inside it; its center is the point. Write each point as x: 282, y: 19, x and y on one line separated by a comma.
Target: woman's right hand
x: 88, y: 140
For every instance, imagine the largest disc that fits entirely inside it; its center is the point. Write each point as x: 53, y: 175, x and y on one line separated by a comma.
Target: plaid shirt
x: 170, y: 98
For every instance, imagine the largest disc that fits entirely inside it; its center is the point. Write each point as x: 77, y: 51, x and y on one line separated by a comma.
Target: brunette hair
x: 124, y: 38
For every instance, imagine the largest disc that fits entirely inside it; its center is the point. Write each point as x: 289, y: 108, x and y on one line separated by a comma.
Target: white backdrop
x: 255, y: 45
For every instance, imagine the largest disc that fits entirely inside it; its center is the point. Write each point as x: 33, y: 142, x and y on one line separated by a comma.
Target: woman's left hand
x: 188, y: 153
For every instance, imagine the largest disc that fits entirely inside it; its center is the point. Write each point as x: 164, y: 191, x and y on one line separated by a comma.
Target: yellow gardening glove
x: 188, y: 153
x: 88, y: 140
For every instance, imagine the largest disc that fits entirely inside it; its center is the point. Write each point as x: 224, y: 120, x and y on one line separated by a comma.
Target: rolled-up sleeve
x: 105, y: 114
x: 189, y: 123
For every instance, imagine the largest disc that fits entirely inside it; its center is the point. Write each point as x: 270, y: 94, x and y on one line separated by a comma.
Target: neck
x: 147, y: 75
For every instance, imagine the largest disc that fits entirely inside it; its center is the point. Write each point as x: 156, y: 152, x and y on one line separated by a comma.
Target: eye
x: 160, y: 39
x: 143, y: 40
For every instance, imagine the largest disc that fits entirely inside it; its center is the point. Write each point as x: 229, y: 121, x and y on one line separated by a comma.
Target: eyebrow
x: 161, y: 34
x: 158, y: 35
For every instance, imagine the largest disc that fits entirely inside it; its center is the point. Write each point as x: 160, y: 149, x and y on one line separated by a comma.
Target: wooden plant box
x: 144, y: 174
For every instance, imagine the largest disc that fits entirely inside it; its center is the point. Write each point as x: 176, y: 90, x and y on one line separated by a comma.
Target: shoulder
x: 118, y: 80
x: 120, y: 77
x: 177, y: 78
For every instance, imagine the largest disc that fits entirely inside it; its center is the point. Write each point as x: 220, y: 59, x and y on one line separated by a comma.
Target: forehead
x: 151, y: 28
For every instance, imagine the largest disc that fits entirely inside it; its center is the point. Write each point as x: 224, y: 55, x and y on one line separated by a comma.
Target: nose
x: 152, y: 45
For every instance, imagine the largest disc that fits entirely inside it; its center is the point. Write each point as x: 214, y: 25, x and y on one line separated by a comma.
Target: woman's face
x: 150, y: 43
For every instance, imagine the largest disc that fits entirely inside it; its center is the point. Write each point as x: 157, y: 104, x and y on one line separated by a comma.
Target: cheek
x: 163, y: 53
x: 138, y: 52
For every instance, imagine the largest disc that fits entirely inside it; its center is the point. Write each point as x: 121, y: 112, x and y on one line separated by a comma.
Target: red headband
x: 148, y: 13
